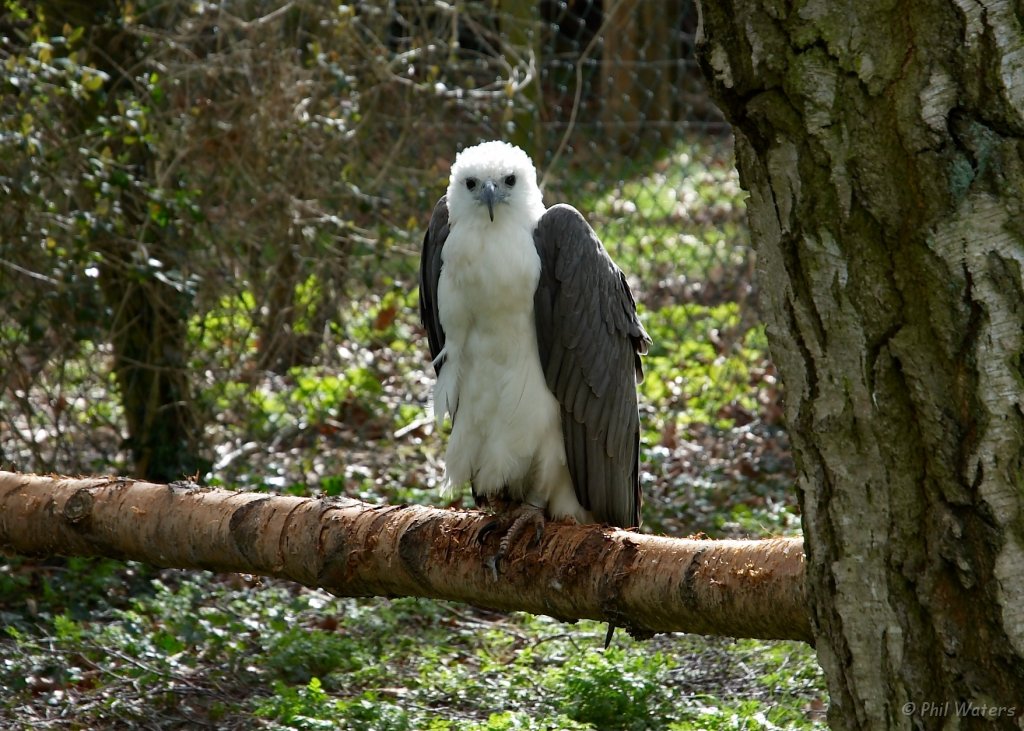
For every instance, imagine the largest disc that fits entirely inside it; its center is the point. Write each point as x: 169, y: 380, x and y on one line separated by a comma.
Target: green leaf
x: 92, y: 81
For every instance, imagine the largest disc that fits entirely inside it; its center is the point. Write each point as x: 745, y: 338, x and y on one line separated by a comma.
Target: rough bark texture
x: 644, y: 583
x: 882, y: 146
x: 149, y: 335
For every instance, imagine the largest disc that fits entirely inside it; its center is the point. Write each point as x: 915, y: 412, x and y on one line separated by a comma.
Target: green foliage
x: 322, y: 393
x: 226, y: 330
x: 301, y: 654
x: 700, y: 365
x: 305, y: 707
x: 743, y: 716
x: 301, y: 659
x: 310, y: 707
x: 690, y: 210
x: 519, y: 721
x: 371, y: 712
x: 72, y: 588
x: 67, y: 629
x: 613, y: 690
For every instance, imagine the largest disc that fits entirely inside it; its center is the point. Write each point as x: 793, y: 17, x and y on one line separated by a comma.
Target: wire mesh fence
x: 213, y: 211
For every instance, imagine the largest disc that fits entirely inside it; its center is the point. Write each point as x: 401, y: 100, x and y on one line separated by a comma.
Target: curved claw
x: 491, y: 562
x: 485, y: 531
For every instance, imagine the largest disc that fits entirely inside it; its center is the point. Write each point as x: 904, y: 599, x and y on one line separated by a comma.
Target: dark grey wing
x: 590, y: 343
x: 430, y: 273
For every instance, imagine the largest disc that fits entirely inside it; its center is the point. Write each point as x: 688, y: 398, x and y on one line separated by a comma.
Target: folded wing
x: 590, y: 342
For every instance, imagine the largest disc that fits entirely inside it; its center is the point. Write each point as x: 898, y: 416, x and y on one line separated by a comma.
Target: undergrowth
x: 194, y: 648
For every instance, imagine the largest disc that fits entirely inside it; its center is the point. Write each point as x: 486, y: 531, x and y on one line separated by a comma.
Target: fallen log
x: 646, y: 584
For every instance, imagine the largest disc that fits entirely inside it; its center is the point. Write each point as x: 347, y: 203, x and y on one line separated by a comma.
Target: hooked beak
x: 488, y: 194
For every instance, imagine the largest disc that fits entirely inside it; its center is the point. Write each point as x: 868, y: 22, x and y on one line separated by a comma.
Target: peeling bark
x: 883, y: 148
x: 646, y: 584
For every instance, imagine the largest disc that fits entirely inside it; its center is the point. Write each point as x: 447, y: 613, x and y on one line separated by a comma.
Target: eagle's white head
x: 492, y: 181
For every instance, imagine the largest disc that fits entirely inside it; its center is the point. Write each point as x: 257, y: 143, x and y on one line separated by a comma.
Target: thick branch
x: 644, y: 583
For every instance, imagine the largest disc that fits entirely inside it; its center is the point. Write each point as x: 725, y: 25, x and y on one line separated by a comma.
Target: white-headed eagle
x: 536, y: 344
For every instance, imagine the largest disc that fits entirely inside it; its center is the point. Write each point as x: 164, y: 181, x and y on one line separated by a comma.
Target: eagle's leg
x: 522, y: 517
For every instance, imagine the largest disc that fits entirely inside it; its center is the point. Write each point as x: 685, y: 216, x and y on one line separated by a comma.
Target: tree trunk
x: 644, y: 583
x: 882, y: 147
x: 149, y: 335
x: 148, y: 329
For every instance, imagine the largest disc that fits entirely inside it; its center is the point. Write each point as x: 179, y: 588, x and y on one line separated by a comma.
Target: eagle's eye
x: 510, y: 180
x: 470, y: 183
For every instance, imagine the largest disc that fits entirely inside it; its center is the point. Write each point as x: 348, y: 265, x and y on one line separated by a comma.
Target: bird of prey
x: 536, y: 344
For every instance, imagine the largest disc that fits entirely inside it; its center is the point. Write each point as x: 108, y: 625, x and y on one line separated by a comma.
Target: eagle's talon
x: 491, y: 562
x: 538, y: 532
x: 481, y: 536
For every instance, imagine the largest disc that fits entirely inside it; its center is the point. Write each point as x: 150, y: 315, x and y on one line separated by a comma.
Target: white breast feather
x: 506, y: 428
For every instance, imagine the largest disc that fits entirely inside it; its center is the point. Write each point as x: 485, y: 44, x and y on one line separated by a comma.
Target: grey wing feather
x: 590, y: 342
x: 430, y: 273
